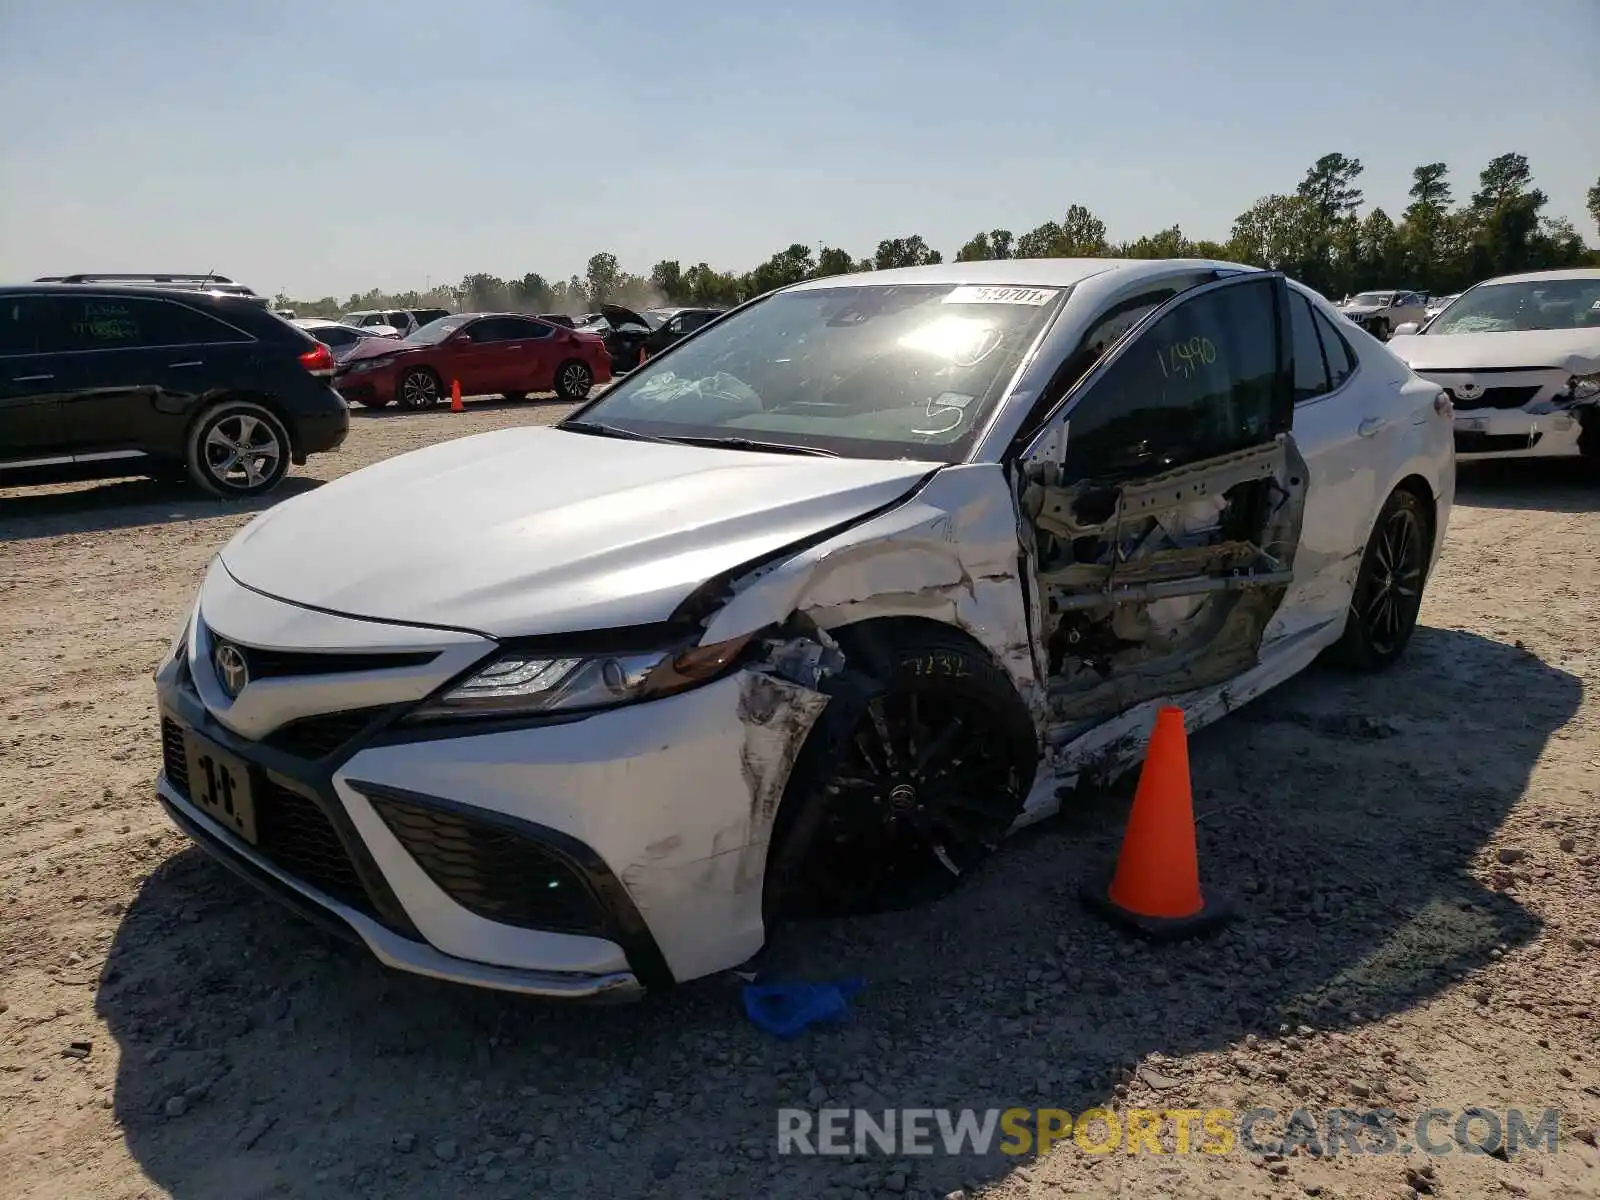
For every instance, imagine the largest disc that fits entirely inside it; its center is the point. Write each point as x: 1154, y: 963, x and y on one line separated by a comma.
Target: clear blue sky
x: 329, y: 146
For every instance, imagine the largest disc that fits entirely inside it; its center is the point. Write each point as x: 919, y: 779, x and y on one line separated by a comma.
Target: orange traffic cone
x: 1156, y: 887
x: 455, y: 397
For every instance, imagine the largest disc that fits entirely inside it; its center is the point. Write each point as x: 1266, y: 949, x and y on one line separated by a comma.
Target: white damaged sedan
x: 803, y: 616
x: 1520, y: 357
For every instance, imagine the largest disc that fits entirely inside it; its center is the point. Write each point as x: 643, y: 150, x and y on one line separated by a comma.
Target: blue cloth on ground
x: 786, y: 1009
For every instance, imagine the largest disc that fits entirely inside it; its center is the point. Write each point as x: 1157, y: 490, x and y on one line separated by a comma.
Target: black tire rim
x: 419, y: 390
x: 916, y: 793
x: 1390, y: 601
x: 242, y: 451
x: 575, y: 380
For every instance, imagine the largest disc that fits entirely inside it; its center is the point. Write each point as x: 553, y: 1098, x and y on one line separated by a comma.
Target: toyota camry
x: 800, y: 618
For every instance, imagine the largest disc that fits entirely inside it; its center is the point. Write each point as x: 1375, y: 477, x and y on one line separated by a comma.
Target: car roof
x: 152, y: 292
x: 1017, y: 272
x: 1547, y: 276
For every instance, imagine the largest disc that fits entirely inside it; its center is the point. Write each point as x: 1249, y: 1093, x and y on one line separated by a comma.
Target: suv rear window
x: 112, y: 322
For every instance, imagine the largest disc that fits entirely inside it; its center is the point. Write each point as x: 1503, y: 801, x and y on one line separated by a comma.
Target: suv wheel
x: 237, y: 449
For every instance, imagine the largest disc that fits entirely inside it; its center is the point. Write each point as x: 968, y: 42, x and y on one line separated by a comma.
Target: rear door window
x: 1310, y: 370
x: 25, y: 325
x: 127, y: 322
x: 1336, y: 352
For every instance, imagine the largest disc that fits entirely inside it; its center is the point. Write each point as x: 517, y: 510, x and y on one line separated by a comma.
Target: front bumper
x: 366, y: 387
x: 1511, y: 414
x: 390, y: 948
x: 418, y: 841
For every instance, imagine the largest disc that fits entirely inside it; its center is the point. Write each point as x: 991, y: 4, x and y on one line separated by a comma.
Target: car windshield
x: 434, y: 332
x: 1373, y: 299
x: 873, y: 371
x: 1519, y: 307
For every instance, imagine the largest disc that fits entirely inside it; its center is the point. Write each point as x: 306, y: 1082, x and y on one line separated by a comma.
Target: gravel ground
x: 1415, y: 858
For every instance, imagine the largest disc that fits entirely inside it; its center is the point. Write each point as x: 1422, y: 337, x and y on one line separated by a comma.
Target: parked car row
x: 192, y: 374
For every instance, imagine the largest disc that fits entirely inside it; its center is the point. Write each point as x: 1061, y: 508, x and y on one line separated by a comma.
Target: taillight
x: 318, y: 361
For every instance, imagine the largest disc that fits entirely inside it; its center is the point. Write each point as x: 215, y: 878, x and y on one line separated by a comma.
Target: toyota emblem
x: 1469, y: 391
x: 232, y: 670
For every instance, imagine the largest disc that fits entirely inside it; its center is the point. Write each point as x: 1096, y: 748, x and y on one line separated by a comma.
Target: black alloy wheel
x: 892, y: 805
x: 1387, y: 598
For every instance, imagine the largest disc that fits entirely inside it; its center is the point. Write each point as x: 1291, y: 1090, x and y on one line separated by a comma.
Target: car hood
x: 1574, y: 350
x: 617, y: 316
x: 536, y: 530
x: 1359, y: 310
x: 378, y: 347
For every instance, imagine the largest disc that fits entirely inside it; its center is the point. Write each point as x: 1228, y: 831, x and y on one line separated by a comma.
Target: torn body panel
x: 1163, y: 586
x: 949, y: 553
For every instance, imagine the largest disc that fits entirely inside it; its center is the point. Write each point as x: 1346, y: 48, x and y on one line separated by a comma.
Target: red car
x: 485, y: 353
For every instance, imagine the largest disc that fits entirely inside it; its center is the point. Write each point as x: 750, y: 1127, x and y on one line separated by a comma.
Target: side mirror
x: 1406, y: 327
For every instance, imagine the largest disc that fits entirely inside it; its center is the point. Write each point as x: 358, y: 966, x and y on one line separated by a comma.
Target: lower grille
x: 292, y: 831
x: 1495, y: 397
x: 296, y: 835
x: 494, y: 871
x: 173, y: 759
x: 1488, y: 443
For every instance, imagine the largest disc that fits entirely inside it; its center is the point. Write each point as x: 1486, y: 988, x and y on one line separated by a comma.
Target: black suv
x: 103, y: 381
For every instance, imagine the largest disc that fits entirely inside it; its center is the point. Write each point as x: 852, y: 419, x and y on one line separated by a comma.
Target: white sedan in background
x: 1520, y: 357
x: 801, y: 617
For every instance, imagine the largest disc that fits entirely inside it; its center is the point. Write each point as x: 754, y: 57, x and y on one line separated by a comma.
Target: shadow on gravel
x: 126, y: 504
x: 1550, y: 485
x: 1346, y: 814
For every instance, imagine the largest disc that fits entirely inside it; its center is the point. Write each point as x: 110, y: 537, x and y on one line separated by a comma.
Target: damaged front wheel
x: 918, y: 769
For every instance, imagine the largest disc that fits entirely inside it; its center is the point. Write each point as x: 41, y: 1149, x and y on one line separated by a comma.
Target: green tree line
x: 1318, y: 234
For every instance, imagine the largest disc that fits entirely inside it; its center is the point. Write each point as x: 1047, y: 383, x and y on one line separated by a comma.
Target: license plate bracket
x: 220, y: 785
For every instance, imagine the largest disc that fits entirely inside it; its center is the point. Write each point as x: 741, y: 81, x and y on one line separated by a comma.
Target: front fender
x: 949, y: 553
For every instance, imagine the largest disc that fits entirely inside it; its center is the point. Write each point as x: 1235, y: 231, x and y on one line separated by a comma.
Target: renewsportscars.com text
x: 1214, y: 1131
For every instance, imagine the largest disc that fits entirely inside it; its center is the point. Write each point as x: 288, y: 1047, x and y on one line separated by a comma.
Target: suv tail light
x: 318, y: 361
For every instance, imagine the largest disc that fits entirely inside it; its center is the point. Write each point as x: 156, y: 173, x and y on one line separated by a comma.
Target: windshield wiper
x: 604, y: 430
x: 743, y: 443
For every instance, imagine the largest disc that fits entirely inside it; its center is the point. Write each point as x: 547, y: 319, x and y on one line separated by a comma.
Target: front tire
x: 1388, y: 594
x: 918, y: 767
x: 573, y: 380
x: 419, y: 389
x: 237, y: 449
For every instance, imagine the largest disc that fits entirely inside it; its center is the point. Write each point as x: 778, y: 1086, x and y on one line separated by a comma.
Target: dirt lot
x: 1415, y: 857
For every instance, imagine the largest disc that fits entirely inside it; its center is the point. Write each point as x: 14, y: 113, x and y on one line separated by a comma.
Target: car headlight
x: 370, y: 364
x: 529, y: 684
x: 1584, y: 388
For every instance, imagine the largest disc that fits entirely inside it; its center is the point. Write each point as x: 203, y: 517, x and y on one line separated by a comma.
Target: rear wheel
x: 237, y: 449
x: 912, y: 777
x: 419, y: 388
x: 1388, y: 592
x: 573, y: 380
